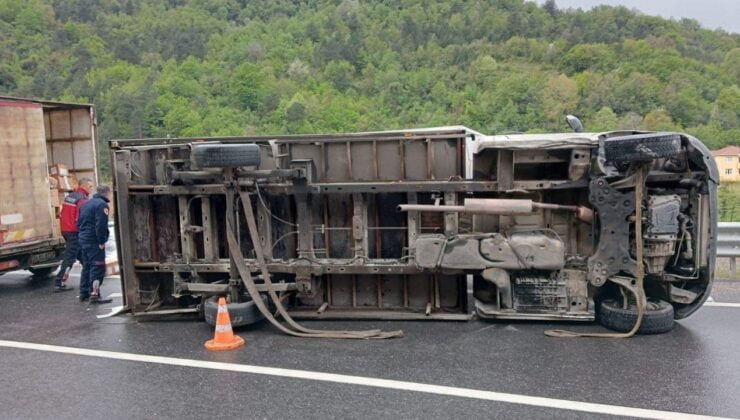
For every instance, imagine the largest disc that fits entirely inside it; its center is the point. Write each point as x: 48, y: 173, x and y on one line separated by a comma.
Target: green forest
x: 158, y: 68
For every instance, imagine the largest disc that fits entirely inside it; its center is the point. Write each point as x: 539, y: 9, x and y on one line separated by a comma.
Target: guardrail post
x: 728, y: 244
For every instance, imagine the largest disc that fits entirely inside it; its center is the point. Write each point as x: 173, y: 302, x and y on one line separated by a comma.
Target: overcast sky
x: 712, y: 14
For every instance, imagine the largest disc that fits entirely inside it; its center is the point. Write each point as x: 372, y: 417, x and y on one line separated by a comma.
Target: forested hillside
x: 230, y: 67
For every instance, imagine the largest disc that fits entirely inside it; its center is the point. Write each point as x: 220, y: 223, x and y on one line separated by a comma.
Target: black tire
x: 242, y: 313
x: 225, y: 155
x: 658, y: 317
x: 642, y: 147
x: 43, y: 272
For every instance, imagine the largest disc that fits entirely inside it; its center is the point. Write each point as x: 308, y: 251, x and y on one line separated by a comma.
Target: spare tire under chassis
x: 240, y: 314
x: 225, y: 155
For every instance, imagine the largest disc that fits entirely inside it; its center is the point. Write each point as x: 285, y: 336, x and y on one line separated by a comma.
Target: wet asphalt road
x: 694, y: 369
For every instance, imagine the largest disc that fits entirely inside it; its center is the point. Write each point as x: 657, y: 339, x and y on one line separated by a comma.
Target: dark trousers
x: 93, y: 268
x: 70, y: 255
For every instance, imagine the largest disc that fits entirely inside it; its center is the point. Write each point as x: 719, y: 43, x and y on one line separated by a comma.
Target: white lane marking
x: 616, y: 410
x: 114, y: 295
x: 113, y: 311
x: 722, y: 304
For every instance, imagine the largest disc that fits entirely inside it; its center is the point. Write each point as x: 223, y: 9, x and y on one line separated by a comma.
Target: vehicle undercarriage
x: 444, y: 224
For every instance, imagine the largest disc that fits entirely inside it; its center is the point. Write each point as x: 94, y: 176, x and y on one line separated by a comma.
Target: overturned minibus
x: 423, y: 224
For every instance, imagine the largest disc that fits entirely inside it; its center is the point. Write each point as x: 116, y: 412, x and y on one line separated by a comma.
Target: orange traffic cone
x: 224, y: 338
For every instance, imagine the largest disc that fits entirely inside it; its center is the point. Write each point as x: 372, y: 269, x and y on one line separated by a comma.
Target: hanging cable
x: 264, y: 205
x: 292, y: 328
x: 639, y: 291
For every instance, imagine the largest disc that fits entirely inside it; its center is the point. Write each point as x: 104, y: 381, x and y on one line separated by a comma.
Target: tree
x: 559, y: 98
x: 604, y: 120
x: 630, y: 121
x: 638, y: 92
x: 249, y: 84
x: 731, y: 65
x: 589, y: 56
x: 659, y: 120
x: 339, y: 73
x: 205, y: 67
x: 685, y: 103
x: 550, y: 7
x: 726, y: 111
x: 484, y: 71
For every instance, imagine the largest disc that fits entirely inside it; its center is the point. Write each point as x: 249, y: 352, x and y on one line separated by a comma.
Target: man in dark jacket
x: 68, y: 220
x: 93, y: 234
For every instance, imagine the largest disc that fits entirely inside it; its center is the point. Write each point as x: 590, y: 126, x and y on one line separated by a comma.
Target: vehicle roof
x: 480, y: 141
x: 543, y: 140
x: 47, y: 104
x: 447, y: 131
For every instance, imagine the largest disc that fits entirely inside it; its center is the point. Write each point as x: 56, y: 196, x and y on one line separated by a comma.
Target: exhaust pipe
x: 500, y: 206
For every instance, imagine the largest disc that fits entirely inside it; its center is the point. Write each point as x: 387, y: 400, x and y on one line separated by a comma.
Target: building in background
x: 728, y: 163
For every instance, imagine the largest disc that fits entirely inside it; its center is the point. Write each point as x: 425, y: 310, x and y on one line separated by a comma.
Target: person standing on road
x: 68, y: 221
x: 93, y: 234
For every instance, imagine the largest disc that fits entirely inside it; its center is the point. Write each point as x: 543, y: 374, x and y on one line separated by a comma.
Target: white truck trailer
x: 36, y: 136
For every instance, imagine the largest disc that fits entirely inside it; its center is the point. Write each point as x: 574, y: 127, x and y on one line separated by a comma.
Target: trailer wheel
x: 658, y: 317
x: 43, y: 272
x: 225, y: 155
x: 642, y: 147
x: 242, y: 313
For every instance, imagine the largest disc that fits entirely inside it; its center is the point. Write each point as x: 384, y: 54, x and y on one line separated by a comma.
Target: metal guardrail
x: 728, y: 244
x: 729, y: 212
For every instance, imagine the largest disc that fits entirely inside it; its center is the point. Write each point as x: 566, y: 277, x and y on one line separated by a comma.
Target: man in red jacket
x: 70, y: 211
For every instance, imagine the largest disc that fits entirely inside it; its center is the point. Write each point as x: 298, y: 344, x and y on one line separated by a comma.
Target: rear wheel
x: 657, y: 319
x: 43, y: 272
x: 240, y: 314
